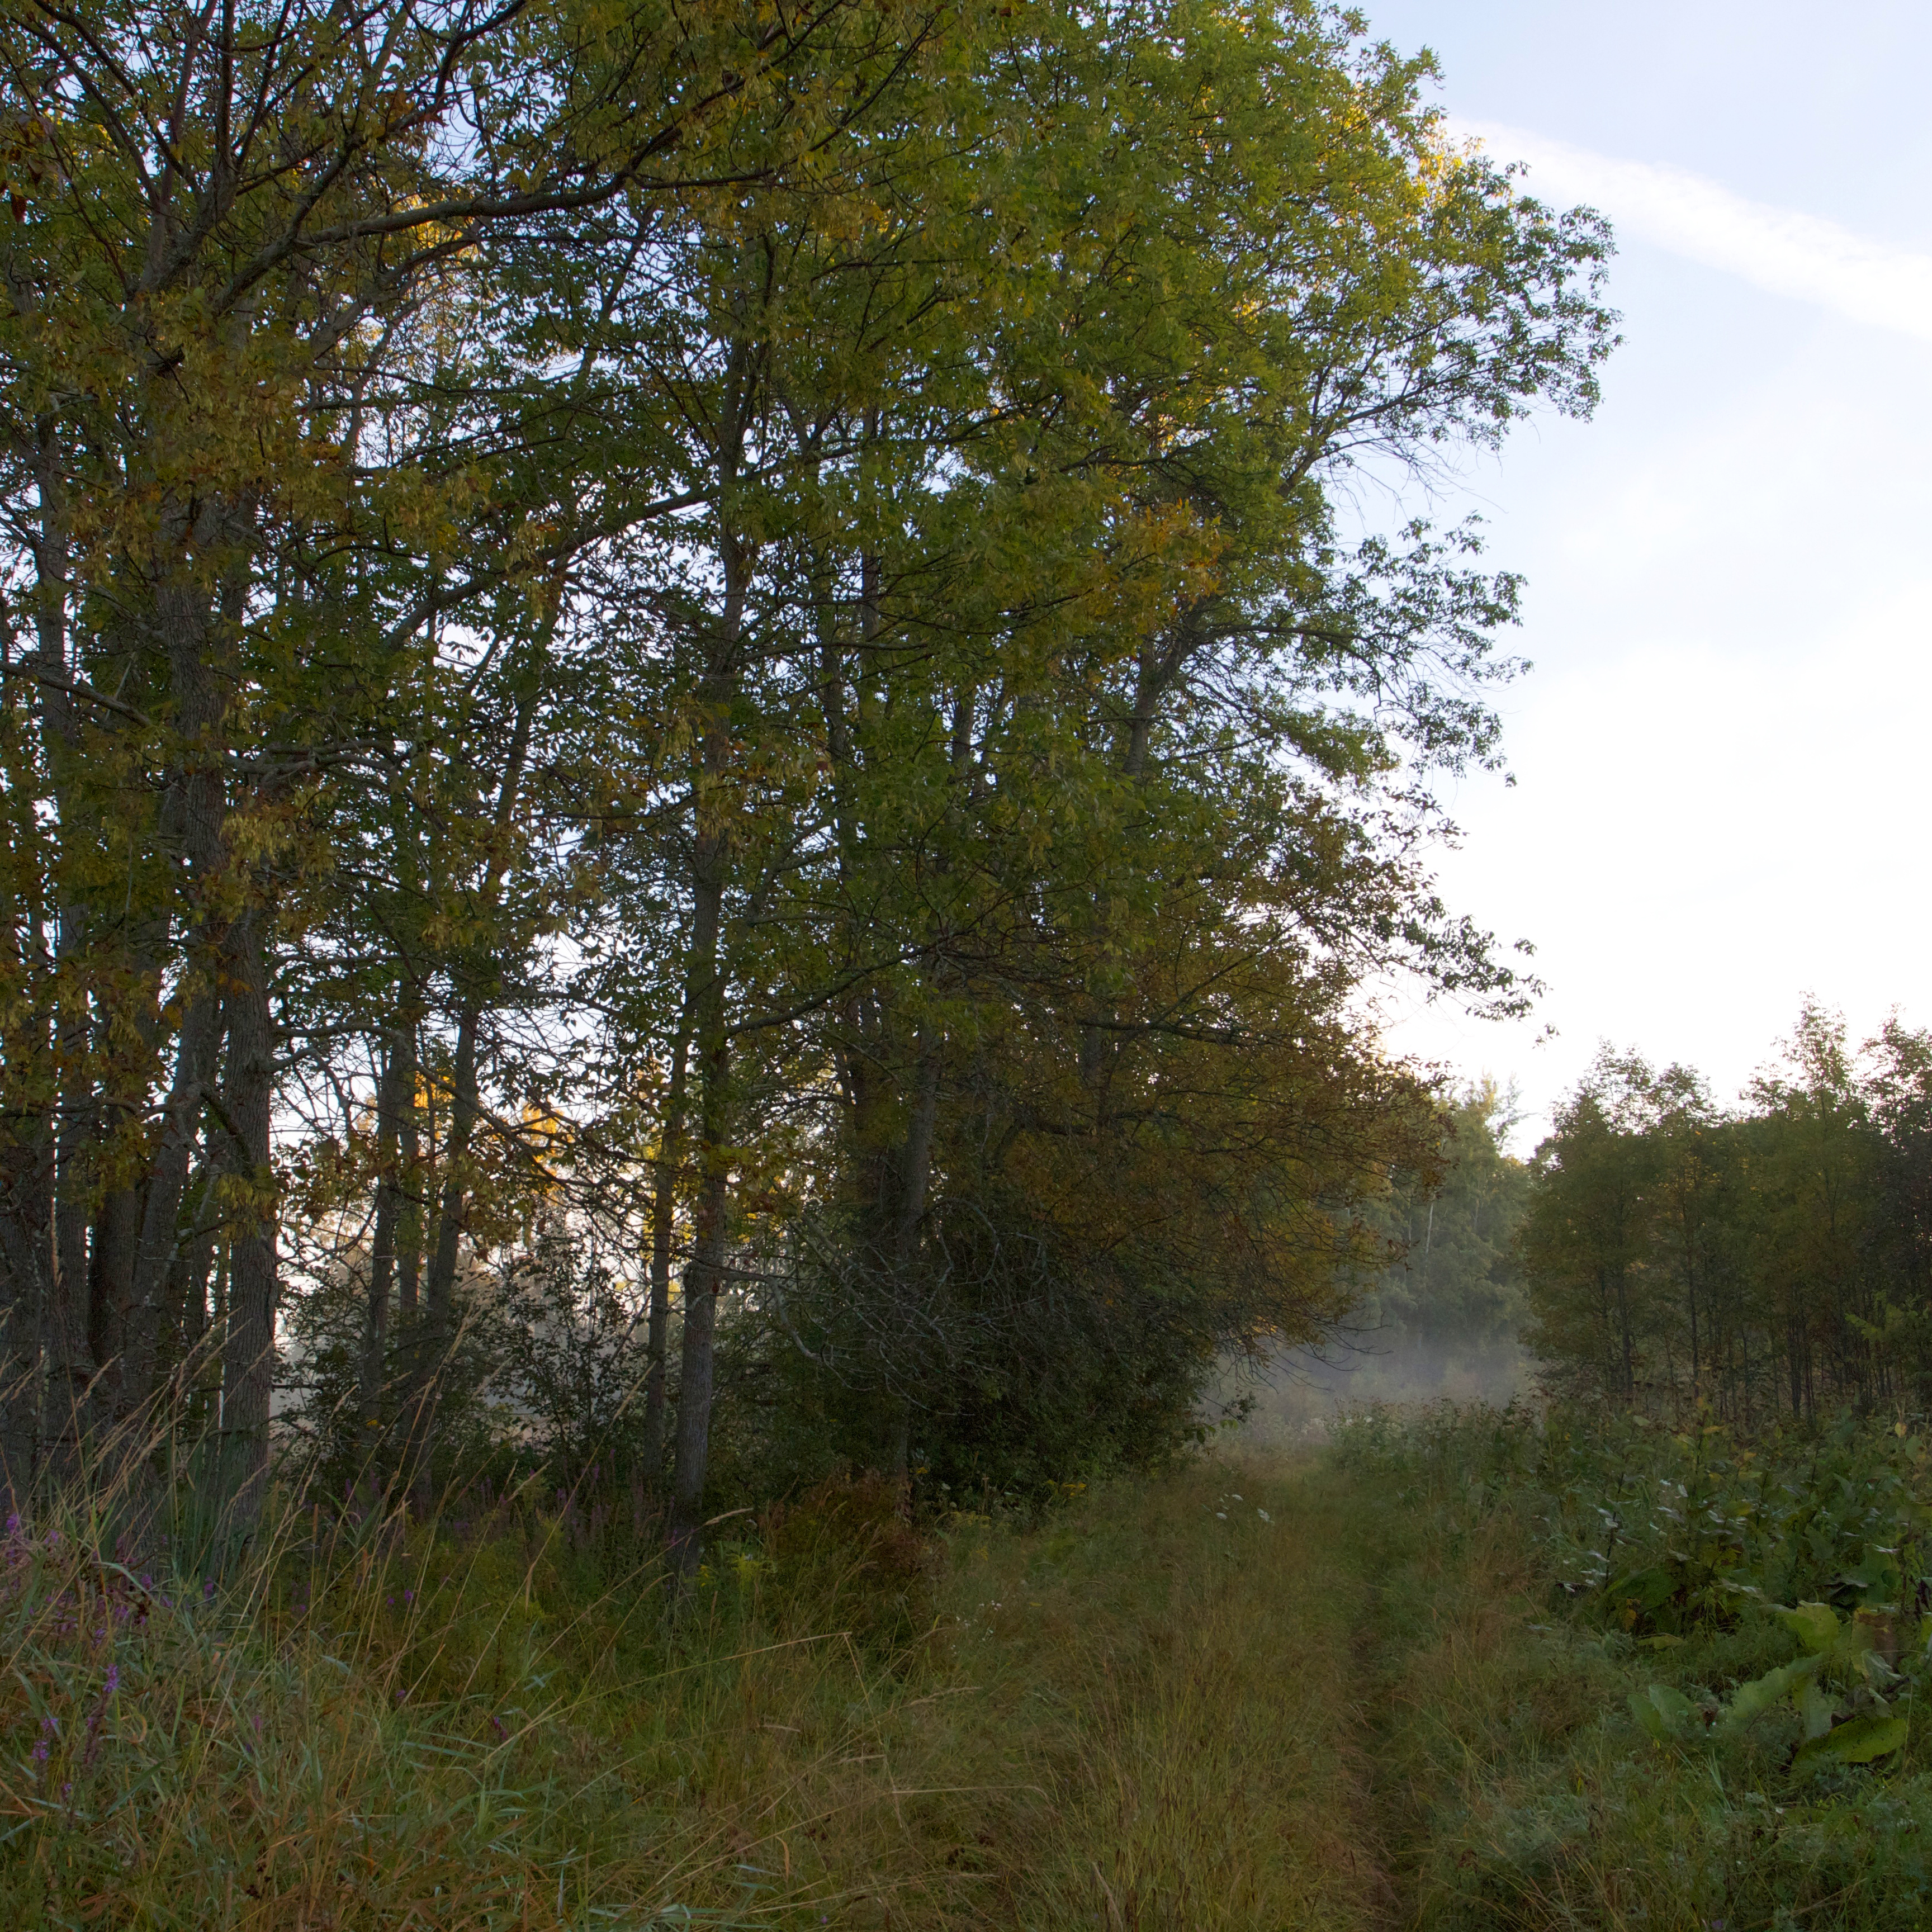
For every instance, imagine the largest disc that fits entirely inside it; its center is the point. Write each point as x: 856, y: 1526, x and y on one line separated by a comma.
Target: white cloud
x: 1775, y: 248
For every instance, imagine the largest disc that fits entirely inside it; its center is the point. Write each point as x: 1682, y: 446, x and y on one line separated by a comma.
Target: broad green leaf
x: 1815, y: 1707
x: 1753, y: 1699
x: 1814, y: 1625
x: 1857, y: 1740
x: 1664, y: 1713
x: 1878, y: 1575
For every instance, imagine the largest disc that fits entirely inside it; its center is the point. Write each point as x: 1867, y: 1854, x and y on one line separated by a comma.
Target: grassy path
x: 1215, y: 1684
x: 1200, y: 1703
x: 1279, y: 1698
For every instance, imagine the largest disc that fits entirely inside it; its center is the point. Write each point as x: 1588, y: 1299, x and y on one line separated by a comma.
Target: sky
x: 1721, y: 755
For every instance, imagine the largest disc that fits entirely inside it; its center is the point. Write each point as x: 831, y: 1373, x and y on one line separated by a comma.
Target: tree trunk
x: 705, y: 985
x: 703, y: 1281
x: 110, y: 1278
x: 248, y: 1357
x: 412, y: 1188
x: 439, y: 1288
x: 69, y: 1363
x: 158, y: 1246
x: 26, y: 1235
x: 664, y: 1208
x: 196, y: 639
x: 704, y: 1277
x: 389, y: 1103
x: 436, y: 1327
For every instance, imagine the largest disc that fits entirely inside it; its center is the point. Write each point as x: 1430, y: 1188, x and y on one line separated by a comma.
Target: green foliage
x: 1770, y: 1259
x: 766, y: 665
x: 1732, y: 1676
x: 1458, y: 1276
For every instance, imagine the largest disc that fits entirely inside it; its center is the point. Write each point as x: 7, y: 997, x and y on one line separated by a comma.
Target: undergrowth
x: 1141, y: 1714
x: 1470, y: 1670
x: 1658, y: 1677
x: 494, y: 1724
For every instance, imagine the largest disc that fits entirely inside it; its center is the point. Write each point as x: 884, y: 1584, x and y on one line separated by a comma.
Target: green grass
x: 1537, y: 1798
x: 1346, y: 1692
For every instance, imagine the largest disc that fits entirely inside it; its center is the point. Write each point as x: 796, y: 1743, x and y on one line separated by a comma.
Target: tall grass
x: 1188, y: 1669
x: 367, y: 1724
x: 1146, y: 1714
x: 1368, y: 1689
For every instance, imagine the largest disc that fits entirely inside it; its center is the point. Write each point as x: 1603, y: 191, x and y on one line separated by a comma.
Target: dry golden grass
x: 1188, y: 1678
x: 1165, y: 1709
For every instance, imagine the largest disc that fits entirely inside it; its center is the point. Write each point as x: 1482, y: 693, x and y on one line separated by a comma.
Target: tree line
x: 711, y: 658
x: 1771, y: 1259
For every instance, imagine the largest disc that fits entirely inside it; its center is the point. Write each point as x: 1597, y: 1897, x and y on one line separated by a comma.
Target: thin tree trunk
x: 439, y: 1288
x: 158, y: 1243
x: 27, y: 1177
x: 711, y: 863
x: 110, y: 1274
x: 69, y: 1363
x: 915, y: 1178
x: 703, y: 1280
x: 389, y: 1100
x: 704, y: 1276
x: 196, y: 639
x: 26, y: 1233
x: 248, y: 1356
x: 409, y: 1151
x: 664, y: 1209
x: 184, y: 1316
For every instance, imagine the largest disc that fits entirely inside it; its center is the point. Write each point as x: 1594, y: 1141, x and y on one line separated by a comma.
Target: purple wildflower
x: 113, y: 1683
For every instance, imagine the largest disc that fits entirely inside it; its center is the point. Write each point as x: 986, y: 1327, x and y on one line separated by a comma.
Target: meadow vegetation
x: 1143, y: 1712
x: 1680, y: 1687
x: 1460, y: 1670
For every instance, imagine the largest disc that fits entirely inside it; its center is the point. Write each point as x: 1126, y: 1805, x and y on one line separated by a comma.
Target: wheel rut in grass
x: 1217, y: 1767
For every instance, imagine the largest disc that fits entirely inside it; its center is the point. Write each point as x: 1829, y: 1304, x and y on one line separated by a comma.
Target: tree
x: 229, y: 230
x: 1761, y: 1259
x: 733, y: 631
x: 1587, y: 1240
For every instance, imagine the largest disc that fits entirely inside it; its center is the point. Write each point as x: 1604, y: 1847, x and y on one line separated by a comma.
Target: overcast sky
x: 1721, y: 754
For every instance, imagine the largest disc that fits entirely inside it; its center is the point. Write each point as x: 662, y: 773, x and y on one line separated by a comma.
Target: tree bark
x: 158, y: 1245
x: 664, y: 1210
x: 705, y: 984
x: 439, y: 1288
x: 704, y: 1277
x: 69, y: 1363
x: 389, y: 1103
x: 248, y: 1357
